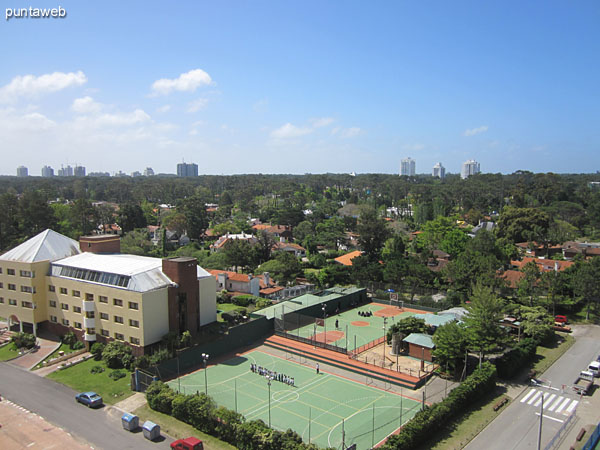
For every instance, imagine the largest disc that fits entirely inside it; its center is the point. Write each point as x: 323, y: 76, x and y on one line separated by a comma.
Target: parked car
x: 561, y: 319
x: 90, y: 399
x: 190, y: 443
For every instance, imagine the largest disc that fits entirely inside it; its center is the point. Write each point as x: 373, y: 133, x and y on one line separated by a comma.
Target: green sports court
x: 325, y: 409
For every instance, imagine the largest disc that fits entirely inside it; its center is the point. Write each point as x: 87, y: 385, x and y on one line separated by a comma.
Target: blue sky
x: 302, y: 87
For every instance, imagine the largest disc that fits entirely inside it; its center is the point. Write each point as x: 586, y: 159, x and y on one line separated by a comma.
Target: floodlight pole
x: 324, y: 308
x: 178, y: 377
x: 269, y: 384
x: 205, y: 360
x: 384, y: 324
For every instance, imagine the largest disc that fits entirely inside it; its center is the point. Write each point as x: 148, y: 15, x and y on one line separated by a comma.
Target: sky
x: 286, y: 86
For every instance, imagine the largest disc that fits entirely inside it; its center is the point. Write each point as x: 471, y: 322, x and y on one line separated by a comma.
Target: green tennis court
x: 318, y: 407
x: 356, y: 329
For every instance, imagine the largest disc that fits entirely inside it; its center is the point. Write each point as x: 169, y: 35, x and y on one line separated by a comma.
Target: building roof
x: 288, y: 246
x: 458, y: 312
x: 435, y: 320
x: 512, y: 277
x: 233, y: 276
x: 346, y: 260
x: 46, y: 246
x: 420, y: 339
x: 545, y: 265
x: 131, y: 272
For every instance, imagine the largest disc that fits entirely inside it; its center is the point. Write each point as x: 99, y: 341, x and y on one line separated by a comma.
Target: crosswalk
x: 553, y: 402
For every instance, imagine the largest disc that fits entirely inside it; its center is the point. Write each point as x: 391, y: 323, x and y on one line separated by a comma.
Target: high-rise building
x: 22, y: 171
x: 136, y: 173
x: 47, y: 171
x: 79, y: 171
x: 148, y: 172
x: 187, y: 170
x: 439, y: 171
x: 470, y: 167
x: 407, y: 167
x: 65, y: 171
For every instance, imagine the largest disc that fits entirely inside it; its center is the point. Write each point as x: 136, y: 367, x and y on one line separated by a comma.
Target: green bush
x: 117, y: 374
x: 97, y: 369
x: 142, y: 362
x: 516, y: 358
x: 186, y: 339
x: 160, y: 397
x: 159, y: 356
x: 263, y: 303
x: 69, y: 339
x: 114, y: 354
x: 97, y: 350
x: 23, y: 340
x: 429, y: 421
x: 243, y: 300
x: 78, y: 345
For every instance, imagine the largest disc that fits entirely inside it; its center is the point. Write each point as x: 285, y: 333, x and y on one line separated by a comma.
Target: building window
x: 117, y: 302
x: 65, y: 322
x: 1, y: 299
x: 119, y: 337
x: 27, y: 289
x: 91, y: 331
x: 134, y: 323
x: 89, y: 297
x: 53, y: 319
x: 10, y: 271
x: 90, y: 314
x: 12, y: 302
x: 133, y: 305
x: 64, y: 306
x: 104, y: 333
x: 77, y: 309
x: 51, y: 288
x: 1, y: 285
x: 27, y: 305
x: 103, y: 299
x: 104, y: 316
x: 77, y: 325
x: 0, y: 269
x: 12, y: 287
x: 118, y: 319
x: 63, y: 291
x: 134, y: 340
x: 53, y: 303
x: 76, y: 293
x: 26, y: 273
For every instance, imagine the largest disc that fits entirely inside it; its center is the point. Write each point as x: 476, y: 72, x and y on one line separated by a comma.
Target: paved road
x: 56, y: 403
x: 518, y: 426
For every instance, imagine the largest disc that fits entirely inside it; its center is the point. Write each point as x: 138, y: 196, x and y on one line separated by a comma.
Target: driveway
x: 32, y: 359
x: 518, y: 426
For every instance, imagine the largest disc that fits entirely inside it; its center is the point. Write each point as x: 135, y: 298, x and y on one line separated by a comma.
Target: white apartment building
x: 408, y: 167
x: 470, y: 167
x: 439, y: 171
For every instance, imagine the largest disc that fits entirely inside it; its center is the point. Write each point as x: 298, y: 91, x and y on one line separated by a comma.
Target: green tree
x: 35, y: 214
x: 83, y: 216
x: 586, y: 285
x: 194, y: 210
x: 238, y: 253
x: 523, y: 224
x: 450, y: 342
x: 373, y: 232
x: 131, y: 216
x: 9, y: 220
x: 483, y: 320
x: 537, y: 323
x: 406, y: 326
x: 527, y: 285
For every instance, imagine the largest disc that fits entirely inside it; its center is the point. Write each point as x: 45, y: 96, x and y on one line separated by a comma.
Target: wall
x: 207, y: 300
x: 416, y: 351
x: 154, y: 316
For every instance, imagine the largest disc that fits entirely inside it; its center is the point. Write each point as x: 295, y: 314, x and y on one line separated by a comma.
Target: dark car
x: 91, y: 399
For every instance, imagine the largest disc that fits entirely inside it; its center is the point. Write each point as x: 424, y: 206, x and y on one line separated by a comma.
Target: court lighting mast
x: 269, y: 378
x: 204, y: 361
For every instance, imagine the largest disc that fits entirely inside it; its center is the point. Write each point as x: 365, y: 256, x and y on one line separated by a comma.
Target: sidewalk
x: 32, y: 359
x: 45, y: 371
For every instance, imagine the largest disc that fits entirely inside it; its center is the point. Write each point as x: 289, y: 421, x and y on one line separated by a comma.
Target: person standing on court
x: 337, y: 324
x: 317, y: 368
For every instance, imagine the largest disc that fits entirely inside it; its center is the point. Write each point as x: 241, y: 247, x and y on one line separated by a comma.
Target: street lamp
x: 384, y: 339
x: 324, y: 309
x: 204, y: 360
x: 269, y: 378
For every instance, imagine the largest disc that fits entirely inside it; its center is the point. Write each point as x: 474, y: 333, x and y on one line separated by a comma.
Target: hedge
x: 429, y: 421
x: 202, y: 413
x: 516, y: 358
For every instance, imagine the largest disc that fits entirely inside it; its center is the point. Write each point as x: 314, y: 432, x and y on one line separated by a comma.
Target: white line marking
x: 551, y: 418
x: 539, y: 402
x: 561, y: 407
x: 535, y: 397
x: 555, y: 404
x: 529, y: 394
x: 549, y: 400
x: 572, y: 406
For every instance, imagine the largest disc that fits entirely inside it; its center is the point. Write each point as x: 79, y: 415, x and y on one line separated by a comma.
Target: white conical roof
x: 46, y: 246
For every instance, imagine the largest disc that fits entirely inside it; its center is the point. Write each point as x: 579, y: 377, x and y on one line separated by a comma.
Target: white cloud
x: 197, y: 105
x: 474, y: 131
x: 186, y: 82
x: 30, y: 85
x: 290, y: 131
x: 86, y: 105
x: 321, y: 122
x: 163, y: 109
x: 346, y: 133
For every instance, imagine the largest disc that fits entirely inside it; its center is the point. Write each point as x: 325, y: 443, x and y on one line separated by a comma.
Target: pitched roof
x: 435, y: 320
x: 420, y: 339
x: 346, y: 259
x: 46, y: 246
x: 233, y: 276
x: 512, y: 277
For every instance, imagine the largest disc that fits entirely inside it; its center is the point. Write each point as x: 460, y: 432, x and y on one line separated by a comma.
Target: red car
x: 190, y: 443
x: 561, y: 319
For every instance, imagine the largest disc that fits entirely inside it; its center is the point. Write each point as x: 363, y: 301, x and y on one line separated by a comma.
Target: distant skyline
x: 302, y: 87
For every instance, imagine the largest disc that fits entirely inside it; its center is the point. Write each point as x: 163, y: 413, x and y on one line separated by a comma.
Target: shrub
x: 160, y: 397
x: 97, y: 350
x: 159, y: 356
x: 263, y: 303
x: 186, y: 339
x: 117, y: 374
x: 78, y: 345
x: 516, y: 358
x: 97, y: 369
x: 23, y: 340
x: 142, y: 362
x: 114, y: 353
x: 69, y: 339
x: 243, y: 300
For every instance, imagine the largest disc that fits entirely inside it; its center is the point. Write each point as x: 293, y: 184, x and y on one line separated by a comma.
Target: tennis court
x: 325, y: 409
x: 357, y: 329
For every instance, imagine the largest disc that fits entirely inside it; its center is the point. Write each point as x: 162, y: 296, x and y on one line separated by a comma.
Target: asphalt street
x: 518, y: 426
x: 56, y: 403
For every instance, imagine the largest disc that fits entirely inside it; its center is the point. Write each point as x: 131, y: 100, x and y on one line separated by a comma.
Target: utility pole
x: 539, y: 446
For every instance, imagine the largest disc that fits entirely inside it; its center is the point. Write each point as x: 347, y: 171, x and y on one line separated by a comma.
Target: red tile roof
x: 346, y: 259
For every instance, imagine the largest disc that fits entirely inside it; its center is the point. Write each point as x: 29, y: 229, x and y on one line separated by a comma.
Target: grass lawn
x: 546, y: 356
x: 81, y: 379
x: 8, y: 351
x: 459, y: 432
x: 224, y: 307
x: 178, y: 429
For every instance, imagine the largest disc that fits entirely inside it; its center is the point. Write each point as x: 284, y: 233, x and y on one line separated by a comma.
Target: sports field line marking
x: 365, y: 409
